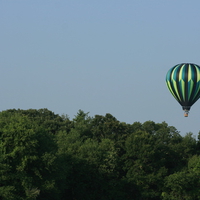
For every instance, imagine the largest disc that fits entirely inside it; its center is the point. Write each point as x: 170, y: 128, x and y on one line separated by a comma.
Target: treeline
x: 46, y: 156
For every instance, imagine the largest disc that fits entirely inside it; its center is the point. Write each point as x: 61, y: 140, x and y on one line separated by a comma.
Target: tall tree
x: 27, y: 155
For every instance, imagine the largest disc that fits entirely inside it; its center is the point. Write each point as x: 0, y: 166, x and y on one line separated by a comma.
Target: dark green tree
x: 184, y: 185
x: 144, y: 164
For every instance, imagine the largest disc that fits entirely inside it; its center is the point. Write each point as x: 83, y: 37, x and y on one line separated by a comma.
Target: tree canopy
x: 46, y: 156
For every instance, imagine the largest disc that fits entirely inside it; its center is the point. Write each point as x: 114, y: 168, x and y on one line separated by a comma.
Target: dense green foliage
x: 45, y: 156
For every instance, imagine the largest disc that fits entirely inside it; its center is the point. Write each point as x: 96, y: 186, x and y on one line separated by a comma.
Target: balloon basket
x: 186, y: 113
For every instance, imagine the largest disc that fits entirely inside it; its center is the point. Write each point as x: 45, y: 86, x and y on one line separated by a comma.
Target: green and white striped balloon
x: 183, y: 81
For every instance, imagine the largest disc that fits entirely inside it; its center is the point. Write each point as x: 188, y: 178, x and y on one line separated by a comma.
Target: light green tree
x: 27, y: 156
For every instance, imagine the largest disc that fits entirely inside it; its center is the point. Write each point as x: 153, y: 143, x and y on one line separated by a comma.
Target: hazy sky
x: 108, y: 56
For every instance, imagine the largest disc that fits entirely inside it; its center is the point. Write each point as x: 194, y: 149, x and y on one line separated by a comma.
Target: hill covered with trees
x: 46, y: 156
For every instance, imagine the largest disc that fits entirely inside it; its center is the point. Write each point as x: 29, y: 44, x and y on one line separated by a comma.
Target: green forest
x: 46, y: 156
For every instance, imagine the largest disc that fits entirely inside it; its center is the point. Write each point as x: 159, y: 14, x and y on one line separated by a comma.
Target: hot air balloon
x: 183, y: 81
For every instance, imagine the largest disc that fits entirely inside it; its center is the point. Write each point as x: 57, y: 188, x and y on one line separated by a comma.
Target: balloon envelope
x: 183, y: 81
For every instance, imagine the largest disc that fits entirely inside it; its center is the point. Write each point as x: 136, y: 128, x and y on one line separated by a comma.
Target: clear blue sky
x: 98, y: 56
